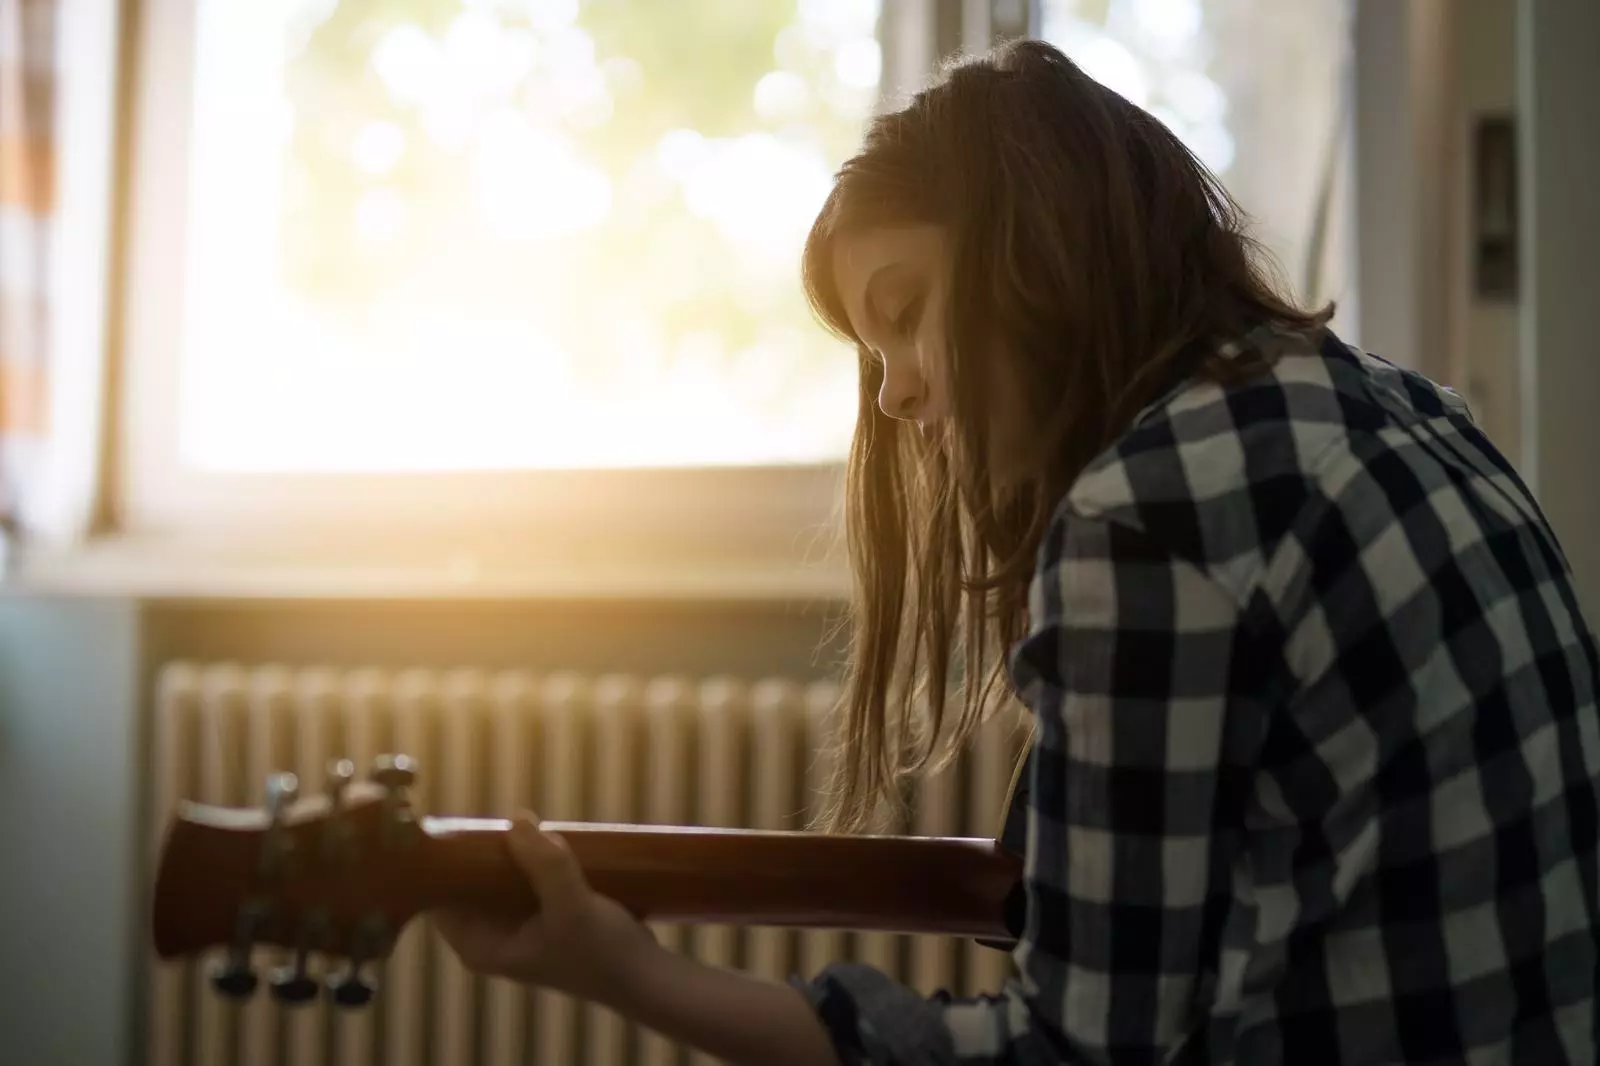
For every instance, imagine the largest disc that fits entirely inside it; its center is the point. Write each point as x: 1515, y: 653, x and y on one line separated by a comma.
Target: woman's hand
x: 580, y: 942
x: 588, y: 946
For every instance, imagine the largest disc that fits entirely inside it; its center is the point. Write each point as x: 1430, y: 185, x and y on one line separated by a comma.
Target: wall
x: 1558, y: 99
x: 747, y: 639
x: 1389, y: 165
x: 1427, y: 71
x: 67, y: 773
x: 1485, y: 366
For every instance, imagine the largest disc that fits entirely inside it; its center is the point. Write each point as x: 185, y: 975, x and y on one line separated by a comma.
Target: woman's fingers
x: 545, y: 860
x: 460, y: 930
x: 517, y: 946
x: 477, y: 938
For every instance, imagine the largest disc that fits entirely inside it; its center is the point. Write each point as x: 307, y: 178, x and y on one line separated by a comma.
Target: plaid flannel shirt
x: 1317, y: 752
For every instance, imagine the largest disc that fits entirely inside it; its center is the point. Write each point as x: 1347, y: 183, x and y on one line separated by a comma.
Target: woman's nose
x: 903, y: 393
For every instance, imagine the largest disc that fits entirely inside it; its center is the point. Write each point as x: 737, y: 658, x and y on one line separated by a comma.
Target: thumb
x: 545, y: 860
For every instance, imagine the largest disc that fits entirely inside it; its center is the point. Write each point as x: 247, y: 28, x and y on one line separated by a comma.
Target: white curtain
x: 57, y: 81
x: 27, y: 204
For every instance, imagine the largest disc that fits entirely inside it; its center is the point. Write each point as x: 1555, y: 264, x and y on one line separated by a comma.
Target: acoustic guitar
x: 341, y: 874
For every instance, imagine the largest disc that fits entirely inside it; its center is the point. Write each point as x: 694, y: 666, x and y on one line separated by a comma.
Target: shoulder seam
x: 1241, y: 596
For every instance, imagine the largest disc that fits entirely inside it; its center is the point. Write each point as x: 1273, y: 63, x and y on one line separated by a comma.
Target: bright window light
x: 514, y: 234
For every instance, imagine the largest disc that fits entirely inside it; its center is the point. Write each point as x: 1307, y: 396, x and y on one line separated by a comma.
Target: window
x: 514, y: 262
x: 514, y: 234
x: 387, y: 248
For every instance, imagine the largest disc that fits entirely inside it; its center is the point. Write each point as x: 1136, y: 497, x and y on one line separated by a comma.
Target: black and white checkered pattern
x: 1318, y: 754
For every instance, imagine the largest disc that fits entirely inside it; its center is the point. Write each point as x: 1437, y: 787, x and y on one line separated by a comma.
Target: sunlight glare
x: 760, y: 192
x: 623, y: 75
x: 1109, y: 62
x: 681, y: 152
x: 791, y: 49
x: 552, y: 16
x: 1171, y: 119
x: 451, y: 118
x: 531, y: 184
x: 570, y: 50
x: 380, y: 214
x: 760, y: 373
x: 674, y: 334
x: 302, y: 20
x: 781, y: 95
x: 1172, y: 22
x: 377, y: 147
x: 1196, y: 97
x: 859, y: 62
x: 485, y: 61
x: 840, y: 18
x: 409, y: 62
x: 1213, y: 143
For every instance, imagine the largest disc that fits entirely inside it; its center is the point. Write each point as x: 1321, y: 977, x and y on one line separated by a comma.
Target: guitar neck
x: 343, y: 874
x: 673, y: 874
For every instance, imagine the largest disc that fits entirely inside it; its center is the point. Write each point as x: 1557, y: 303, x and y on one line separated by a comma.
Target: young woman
x: 1317, y: 755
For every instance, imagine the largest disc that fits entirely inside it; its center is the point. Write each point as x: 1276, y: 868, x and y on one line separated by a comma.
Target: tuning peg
x: 340, y: 773
x: 350, y: 990
x: 292, y: 986
x: 337, y: 834
x: 282, y: 790
x: 234, y: 979
x: 394, y: 771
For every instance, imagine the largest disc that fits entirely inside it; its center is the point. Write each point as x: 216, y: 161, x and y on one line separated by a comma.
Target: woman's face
x: 894, y: 284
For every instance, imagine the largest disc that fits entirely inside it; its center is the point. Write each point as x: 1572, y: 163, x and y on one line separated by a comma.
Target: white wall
x: 1425, y: 72
x: 1394, y: 51
x: 1484, y: 332
x: 1558, y: 101
x: 69, y: 756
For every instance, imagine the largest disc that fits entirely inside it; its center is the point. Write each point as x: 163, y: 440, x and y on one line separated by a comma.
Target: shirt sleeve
x: 1126, y: 667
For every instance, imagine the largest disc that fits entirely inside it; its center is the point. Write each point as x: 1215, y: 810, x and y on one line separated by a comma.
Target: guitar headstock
x: 325, y: 874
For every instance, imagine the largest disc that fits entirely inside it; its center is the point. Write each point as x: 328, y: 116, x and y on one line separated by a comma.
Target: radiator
x: 715, y: 752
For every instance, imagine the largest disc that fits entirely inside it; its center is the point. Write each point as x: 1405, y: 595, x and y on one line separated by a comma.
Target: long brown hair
x: 1101, y: 257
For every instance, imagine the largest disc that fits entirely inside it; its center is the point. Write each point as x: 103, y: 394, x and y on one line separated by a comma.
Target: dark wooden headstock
x: 339, y: 874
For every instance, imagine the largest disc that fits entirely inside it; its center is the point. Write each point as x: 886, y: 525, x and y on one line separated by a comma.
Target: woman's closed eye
x: 905, y: 323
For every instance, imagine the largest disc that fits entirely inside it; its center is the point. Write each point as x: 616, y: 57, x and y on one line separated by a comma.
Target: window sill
x: 173, y: 569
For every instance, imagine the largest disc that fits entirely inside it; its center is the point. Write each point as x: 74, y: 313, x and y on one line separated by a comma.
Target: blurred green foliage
x: 666, y: 66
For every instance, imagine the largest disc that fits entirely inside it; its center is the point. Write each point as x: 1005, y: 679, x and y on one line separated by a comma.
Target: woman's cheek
x: 936, y: 376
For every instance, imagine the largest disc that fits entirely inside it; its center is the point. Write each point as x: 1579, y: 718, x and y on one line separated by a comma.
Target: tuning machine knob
x: 340, y: 773
x: 233, y: 976
x: 283, y: 790
x: 337, y: 833
x: 292, y: 985
x: 396, y: 773
x: 348, y: 988
x: 234, y: 981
